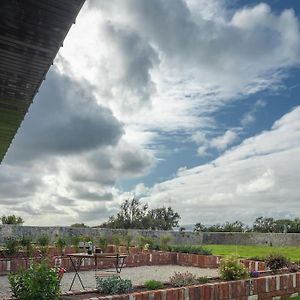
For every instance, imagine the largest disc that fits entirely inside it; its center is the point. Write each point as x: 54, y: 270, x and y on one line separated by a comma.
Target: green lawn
x: 292, y: 253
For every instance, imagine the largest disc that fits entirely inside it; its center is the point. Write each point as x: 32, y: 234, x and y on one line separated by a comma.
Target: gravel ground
x: 138, y: 276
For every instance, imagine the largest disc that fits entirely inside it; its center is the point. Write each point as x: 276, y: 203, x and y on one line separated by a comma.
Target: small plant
x: 293, y: 267
x: 153, y: 285
x: 74, y: 241
x: 128, y: 240
x: 141, y: 241
x: 37, y: 282
x: 232, y: 269
x: 116, y: 240
x: 43, y: 242
x: 113, y: 285
x: 164, y: 242
x: 26, y: 243
x: 61, y: 244
x: 103, y: 243
x: 276, y: 261
x: 203, y: 279
x: 183, y: 279
x: 12, y: 246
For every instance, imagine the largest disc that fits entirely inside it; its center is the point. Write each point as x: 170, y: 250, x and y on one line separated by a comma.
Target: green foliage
x: 11, y: 245
x: 164, y: 242
x: 135, y: 215
x: 276, y: 261
x: 74, y: 241
x: 128, y: 240
x: 236, y: 226
x: 113, y: 285
x: 103, y: 243
x: 39, y: 282
x: 61, y: 243
x: 153, y: 285
x: 26, y: 243
x: 142, y: 241
x: 116, y: 240
x: 203, y: 279
x: 183, y: 279
x: 12, y: 219
x: 232, y: 269
x: 44, y: 242
x: 192, y: 249
x: 79, y: 225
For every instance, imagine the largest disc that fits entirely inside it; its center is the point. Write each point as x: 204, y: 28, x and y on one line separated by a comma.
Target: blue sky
x: 187, y: 103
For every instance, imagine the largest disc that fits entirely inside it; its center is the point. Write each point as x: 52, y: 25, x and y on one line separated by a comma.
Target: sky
x: 192, y: 104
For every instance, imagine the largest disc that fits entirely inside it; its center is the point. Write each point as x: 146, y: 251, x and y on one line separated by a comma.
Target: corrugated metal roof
x: 31, y: 33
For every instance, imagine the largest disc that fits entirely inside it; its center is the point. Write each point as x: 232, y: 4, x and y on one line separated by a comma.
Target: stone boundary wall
x: 264, y: 288
x: 187, y: 237
x: 152, y: 258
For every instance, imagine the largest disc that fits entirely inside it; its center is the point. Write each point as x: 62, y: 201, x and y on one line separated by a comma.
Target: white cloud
x: 222, y: 142
x: 258, y: 177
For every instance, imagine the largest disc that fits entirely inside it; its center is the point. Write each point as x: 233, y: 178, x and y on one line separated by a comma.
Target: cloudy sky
x: 188, y: 103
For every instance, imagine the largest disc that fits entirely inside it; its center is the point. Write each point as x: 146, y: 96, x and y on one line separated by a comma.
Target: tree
x: 79, y: 225
x: 12, y: 219
x: 236, y: 226
x: 200, y: 228
x: 262, y: 224
x: 135, y: 215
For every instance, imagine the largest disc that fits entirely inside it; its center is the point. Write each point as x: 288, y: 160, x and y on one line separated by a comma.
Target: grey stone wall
x: 275, y: 239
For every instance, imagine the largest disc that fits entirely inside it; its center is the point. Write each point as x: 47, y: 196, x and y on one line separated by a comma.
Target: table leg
x: 119, y: 263
x: 76, y: 269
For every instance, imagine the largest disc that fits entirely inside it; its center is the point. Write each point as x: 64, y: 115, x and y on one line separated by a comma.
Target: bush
x: 276, y: 261
x: 293, y: 267
x: 203, y: 279
x: 232, y: 269
x: 12, y: 246
x: 113, y: 285
x: 39, y: 282
x: 44, y: 242
x: 193, y: 249
x: 12, y: 219
x: 103, y: 243
x: 183, y: 279
x: 61, y: 244
x: 153, y: 285
x: 26, y: 243
x: 164, y: 242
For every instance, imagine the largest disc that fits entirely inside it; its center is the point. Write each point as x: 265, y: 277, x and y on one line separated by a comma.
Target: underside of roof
x: 31, y: 33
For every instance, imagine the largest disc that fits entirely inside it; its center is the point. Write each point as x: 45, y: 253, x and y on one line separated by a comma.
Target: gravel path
x: 138, y: 276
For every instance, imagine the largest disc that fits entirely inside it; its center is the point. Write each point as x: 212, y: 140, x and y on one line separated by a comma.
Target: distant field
x: 292, y: 253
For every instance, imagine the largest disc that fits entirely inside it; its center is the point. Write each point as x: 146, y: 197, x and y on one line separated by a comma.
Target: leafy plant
x: 103, y: 243
x: 276, y: 261
x: 26, y: 243
x: 203, y: 279
x: 74, y: 241
x: 183, y: 279
x: 164, y: 242
x: 141, y: 241
x: 113, y: 285
x: 232, y: 269
x: 44, y: 242
x: 12, y: 246
x: 153, y: 285
x: 116, y: 240
x: 127, y: 240
x: 61, y: 244
x: 39, y: 282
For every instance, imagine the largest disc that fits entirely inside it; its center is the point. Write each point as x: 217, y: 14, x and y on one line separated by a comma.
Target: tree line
x: 261, y: 224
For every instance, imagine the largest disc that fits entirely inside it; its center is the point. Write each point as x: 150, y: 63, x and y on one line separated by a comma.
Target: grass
x: 292, y: 253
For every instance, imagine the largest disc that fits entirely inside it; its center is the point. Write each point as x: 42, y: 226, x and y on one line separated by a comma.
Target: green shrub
x: 116, y: 240
x: 39, y: 282
x: 276, y: 261
x: 192, y: 249
x: 153, y: 285
x: 127, y: 240
x: 203, y: 279
x: 183, y: 279
x: 61, y: 244
x: 11, y: 245
x: 164, y: 242
x: 26, y: 243
x: 103, y: 242
x: 44, y: 242
x: 113, y: 285
x: 12, y: 219
x: 232, y: 269
x: 74, y: 241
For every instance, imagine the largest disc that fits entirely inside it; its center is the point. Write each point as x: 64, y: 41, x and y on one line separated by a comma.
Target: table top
x: 100, y: 255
